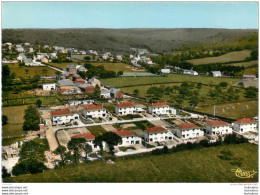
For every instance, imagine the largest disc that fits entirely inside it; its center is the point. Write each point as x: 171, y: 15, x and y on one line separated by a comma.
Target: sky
x: 231, y: 15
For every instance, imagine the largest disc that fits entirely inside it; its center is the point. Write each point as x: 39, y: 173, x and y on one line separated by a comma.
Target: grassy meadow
x: 229, y: 57
x: 21, y: 71
x: 170, y: 78
x: 198, y: 165
x: 232, y: 110
x: 15, y: 120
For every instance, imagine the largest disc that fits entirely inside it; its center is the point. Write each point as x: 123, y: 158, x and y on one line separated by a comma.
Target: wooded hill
x: 121, y: 40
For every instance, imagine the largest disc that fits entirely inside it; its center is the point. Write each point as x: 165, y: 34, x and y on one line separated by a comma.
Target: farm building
x: 244, y: 125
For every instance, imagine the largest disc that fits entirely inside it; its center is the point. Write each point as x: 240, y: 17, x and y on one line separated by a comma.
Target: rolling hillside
x: 121, y: 40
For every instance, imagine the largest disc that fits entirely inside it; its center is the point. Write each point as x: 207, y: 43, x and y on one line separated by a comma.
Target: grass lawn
x: 229, y: 57
x: 133, y: 81
x: 232, y: 110
x: 200, y: 165
x: 32, y: 71
x: 15, y: 120
x: 96, y: 130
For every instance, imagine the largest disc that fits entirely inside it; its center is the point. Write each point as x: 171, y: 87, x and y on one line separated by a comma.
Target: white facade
x: 161, y: 110
x: 216, y: 73
x: 63, y: 119
x: 125, y: 110
x: 100, y: 113
x: 218, y: 130
x: 165, y: 70
x: 189, y: 133
x: 243, y: 128
x: 130, y: 140
x: 158, y: 136
x: 49, y: 86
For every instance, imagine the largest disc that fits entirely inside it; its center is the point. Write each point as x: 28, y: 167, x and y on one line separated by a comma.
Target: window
x: 137, y: 142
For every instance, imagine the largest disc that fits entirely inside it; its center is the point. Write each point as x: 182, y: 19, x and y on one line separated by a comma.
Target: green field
x: 251, y: 70
x: 15, y: 120
x: 229, y: 57
x: 246, y: 64
x: 232, y: 110
x: 46, y: 100
x: 63, y: 65
x: 132, y: 81
x: 114, y: 66
x: 32, y: 71
x: 198, y: 165
x: 108, y: 66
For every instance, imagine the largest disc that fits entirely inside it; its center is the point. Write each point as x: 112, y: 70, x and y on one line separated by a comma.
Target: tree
x: 97, y: 91
x: 112, y: 139
x: 223, y: 84
x: 99, y: 142
x: 87, y: 149
x: 38, y: 103
x: 31, y: 119
x: 61, y: 150
x: 87, y: 58
x: 4, y: 119
x: 120, y: 73
x: 136, y: 92
x: 75, y: 145
x: 254, y: 55
x: 28, y: 166
x: 33, y: 150
x: 5, y: 173
x: 26, y: 71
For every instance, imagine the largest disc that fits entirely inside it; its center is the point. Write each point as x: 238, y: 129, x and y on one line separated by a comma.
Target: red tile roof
x: 216, y: 123
x: 155, y: 129
x: 120, y: 94
x: 94, y: 107
x: 89, y: 89
x: 87, y: 136
x: 65, y: 111
x: 125, y: 104
x: 187, y: 125
x: 124, y: 132
x: 245, y: 121
x: 79, y: 81
x: 157, y: 104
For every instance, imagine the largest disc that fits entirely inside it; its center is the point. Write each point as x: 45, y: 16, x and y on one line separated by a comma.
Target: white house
x: 166, y: 70
x: 128, y: 137
x: 157, y: 134
x: 94, y: 111
x: 63, y: 116
x: 49, y: 86
x: 244, y: 125
x: 218, y: 128
x: 161, y: 108
x: 127, y: 107
x: 188, y: 131
x: 216, y: 73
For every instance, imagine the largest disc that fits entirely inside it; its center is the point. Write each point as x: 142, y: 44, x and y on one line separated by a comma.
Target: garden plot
x: 63, y: 137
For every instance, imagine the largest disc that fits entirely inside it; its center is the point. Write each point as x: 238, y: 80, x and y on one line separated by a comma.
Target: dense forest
x: 122, y: 40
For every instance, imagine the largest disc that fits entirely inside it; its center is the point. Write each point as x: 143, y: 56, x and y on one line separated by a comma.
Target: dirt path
x: 50, y: 135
